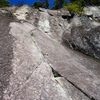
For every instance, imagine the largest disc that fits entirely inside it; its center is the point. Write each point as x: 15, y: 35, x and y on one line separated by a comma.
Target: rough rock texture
x: 92, y: 11
x: 35, y: 65
x: 82, y: 71
x: 83, y: 35
x: 6, y: 52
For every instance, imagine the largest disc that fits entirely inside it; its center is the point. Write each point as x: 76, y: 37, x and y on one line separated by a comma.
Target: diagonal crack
x: 28, y: 79
x: 90, y: 97
x: 56, y: 74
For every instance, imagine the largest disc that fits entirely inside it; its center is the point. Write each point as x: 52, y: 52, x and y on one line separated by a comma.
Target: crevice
x: 26, y: 81
x: 64, y: 16
x: 50, y: 14
x: 56, y: 74
x: 90, y: 97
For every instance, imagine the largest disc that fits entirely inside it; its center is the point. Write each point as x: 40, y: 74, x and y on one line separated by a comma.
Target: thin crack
x: 90, y: 97
x: 56, y: 74
x: 28, y: 79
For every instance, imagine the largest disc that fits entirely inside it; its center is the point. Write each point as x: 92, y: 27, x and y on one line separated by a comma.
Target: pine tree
x: 46, y: 3
x: 4, y: 3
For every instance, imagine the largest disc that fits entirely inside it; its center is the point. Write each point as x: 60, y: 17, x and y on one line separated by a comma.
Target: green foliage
x: 4, y: 3
x: 56, y: 75
x: 38, y: 4
x: 32, y: 34
x: 92, y: 2
x: 87, y: 2
x: 53, y: 8
x: 41, y: 4
x: 75, y: 7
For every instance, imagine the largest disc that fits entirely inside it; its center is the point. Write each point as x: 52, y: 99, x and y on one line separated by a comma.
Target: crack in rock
x: 56, y: 74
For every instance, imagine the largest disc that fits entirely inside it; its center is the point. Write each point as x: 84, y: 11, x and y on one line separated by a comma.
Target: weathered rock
x: 80, y: 70
x: 84, y: 36
x: 53, y: 12
x: 60, y: 12
x: 92, y: 11
x: 32, y: 77
x: 39, y: 67
x: 22, y: 12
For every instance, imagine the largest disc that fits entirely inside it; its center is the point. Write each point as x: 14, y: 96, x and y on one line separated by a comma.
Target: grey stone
x: 81, y: 70
x: 84, y: 36
x: 6, y: 52
x: 35, y: 65
x: 92, y: 11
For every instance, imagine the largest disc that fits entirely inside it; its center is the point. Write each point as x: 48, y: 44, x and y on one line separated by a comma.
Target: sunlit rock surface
x: 35, y: 65
x: 93, y: 11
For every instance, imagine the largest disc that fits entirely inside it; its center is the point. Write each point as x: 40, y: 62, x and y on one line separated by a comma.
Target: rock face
x: 94, y: 12
x: 83, y: 35
x: 6, y: 52
x: 35, y: 65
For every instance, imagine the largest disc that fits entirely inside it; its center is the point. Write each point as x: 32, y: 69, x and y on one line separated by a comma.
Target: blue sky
x: 30, y: 2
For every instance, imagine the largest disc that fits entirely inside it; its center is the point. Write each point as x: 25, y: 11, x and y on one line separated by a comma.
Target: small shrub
x: 32, y: 34
x: 56, y: 75
x: 74, y: 7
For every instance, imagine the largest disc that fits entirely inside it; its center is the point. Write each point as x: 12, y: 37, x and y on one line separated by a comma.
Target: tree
x: 4, y: 3
x: 46, y: 3
x: 74, y: 7
x: 87, y: 2
x: 38, y: 4
x: 59, y: 4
